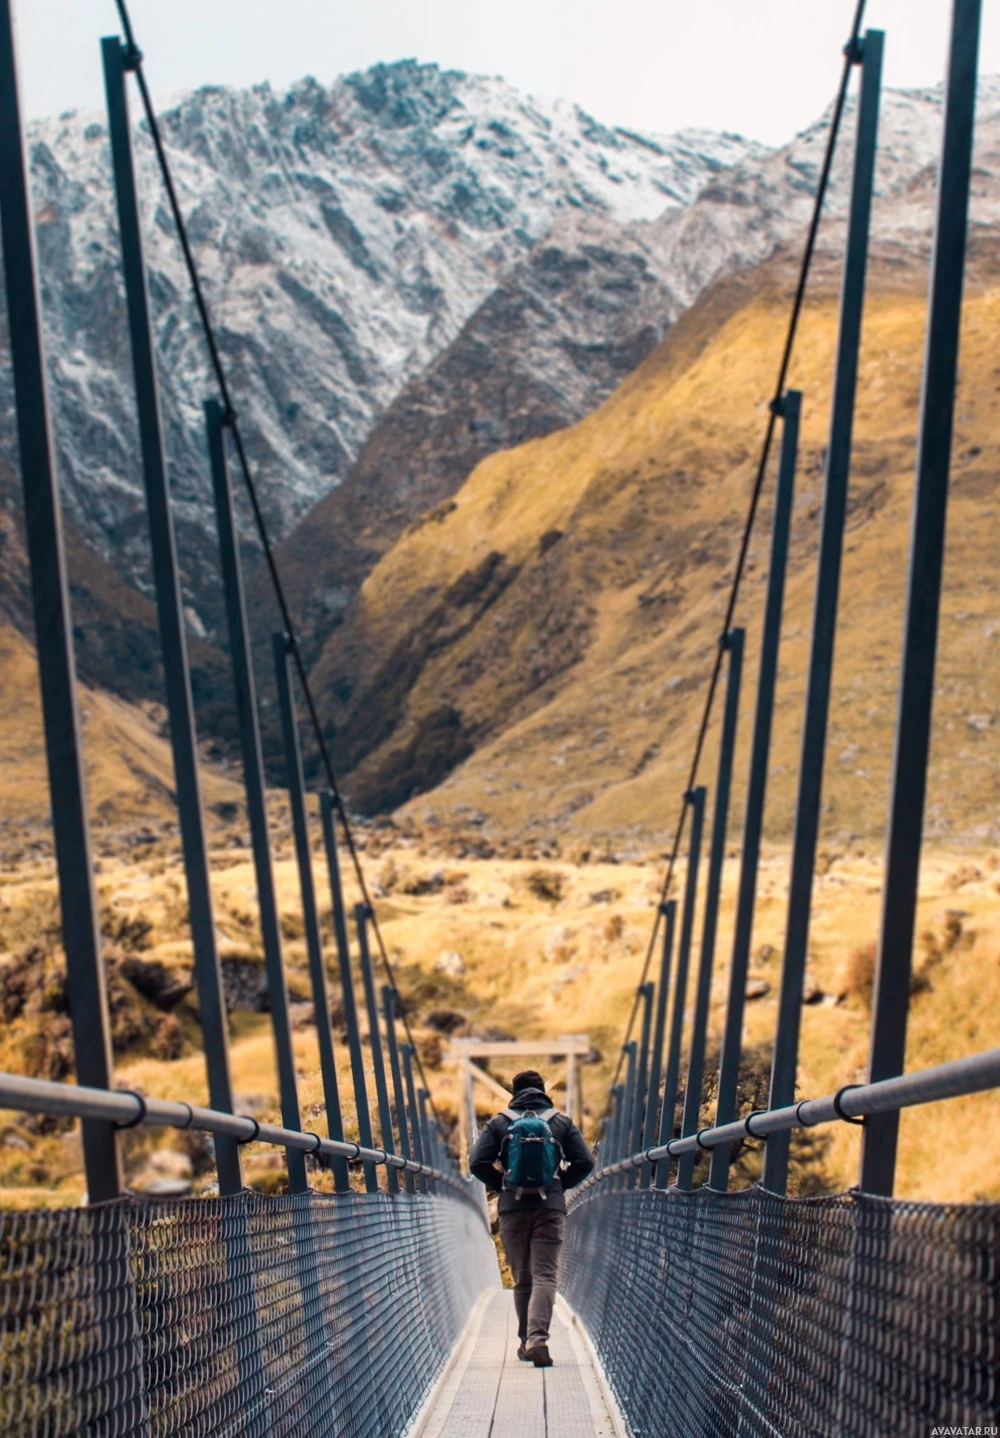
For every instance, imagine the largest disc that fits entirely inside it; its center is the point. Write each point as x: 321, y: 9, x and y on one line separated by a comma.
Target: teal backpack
x: 533, y: 1152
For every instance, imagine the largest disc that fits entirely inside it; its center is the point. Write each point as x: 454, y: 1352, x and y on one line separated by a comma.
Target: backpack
x: 533, y: 1152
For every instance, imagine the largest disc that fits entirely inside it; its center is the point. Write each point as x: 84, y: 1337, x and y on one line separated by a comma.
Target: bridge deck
x: 490, y: 1394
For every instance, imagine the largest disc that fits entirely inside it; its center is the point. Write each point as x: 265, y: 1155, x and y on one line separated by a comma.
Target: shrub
x: 131, y: 932
x: 860, y: 976
x: 446, y: 1021
x: 431, y: 1050
x: 614, y: 928
x: 389, y: 875
x: 546, y: 884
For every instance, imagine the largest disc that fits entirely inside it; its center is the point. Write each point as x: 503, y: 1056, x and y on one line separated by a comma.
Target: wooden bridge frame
x: 570, y: 1047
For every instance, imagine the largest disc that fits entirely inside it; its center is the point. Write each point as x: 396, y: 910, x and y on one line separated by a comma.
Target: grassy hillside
x: 542, y: 642
x: 126, y: 753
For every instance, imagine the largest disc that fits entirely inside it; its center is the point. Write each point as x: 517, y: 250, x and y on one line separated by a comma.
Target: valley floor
x: 499, y: 948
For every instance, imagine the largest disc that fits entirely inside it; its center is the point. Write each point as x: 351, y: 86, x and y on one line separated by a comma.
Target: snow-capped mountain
x: 351, y: 235
x: 345, y: 233
x: 763, y: 203
x: 569, y: 320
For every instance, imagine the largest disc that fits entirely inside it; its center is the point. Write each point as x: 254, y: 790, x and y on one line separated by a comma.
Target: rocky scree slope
x: 566, y: 323
x: 561, y: 329
x: 345, y: 234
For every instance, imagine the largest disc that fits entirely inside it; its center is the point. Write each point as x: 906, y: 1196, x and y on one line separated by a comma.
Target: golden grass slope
x: 128, y: 764
x: 536, y: 968
x: 577, y: 669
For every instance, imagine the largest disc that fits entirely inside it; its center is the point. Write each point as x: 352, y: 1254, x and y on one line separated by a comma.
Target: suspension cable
x: 134, y: 62
x: 852, y: 52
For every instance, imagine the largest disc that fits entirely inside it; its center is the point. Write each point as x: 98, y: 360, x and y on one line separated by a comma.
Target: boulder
x: 163, y: 1187
x: 450, y: 962
x: 244, y: 983
x: 168, y: 1163
x: 163, y: 986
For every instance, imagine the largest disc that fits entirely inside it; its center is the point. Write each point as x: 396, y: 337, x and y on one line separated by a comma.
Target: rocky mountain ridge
x: 751, y: 211
x: 555, y: 337
x: 566, y: 323
x: 345, y: 234
x: 474, y: 629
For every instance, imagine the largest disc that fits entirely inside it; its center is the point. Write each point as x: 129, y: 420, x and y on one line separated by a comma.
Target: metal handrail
x: 851, y: 1103
x: 127, y: 1109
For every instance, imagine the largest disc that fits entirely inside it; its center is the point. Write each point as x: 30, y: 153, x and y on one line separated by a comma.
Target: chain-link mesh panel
x: 248, y: 1315
x: 746, y: 1314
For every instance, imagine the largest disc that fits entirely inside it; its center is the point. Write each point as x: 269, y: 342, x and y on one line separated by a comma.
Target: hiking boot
x: 539, y: 1356
x: 522, y: 1352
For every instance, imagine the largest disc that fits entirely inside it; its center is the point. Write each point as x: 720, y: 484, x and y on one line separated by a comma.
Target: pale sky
x: 764, y: 68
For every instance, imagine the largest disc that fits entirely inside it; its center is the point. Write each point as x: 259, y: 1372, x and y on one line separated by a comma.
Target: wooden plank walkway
x: 491, y: 1394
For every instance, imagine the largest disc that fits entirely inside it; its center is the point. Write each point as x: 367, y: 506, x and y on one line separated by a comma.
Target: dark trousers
x: 532, y: 1240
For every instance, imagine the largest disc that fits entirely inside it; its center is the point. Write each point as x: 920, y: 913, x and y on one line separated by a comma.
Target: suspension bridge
x: 687, y: 1308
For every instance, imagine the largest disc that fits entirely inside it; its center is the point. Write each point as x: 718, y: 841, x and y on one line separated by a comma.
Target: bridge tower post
x: 696, y: 799
x: 628, y: 1107
x: 469, y: 1097
x: 389, y: 998
x: 361, y: 916
x: 86, y: 985
x: 307, y: 886
x: 413, y: 1111
x: 615, y: 1124
x: 605, y: 1129
x: 817, y: 712
x: 642, y: 1093
x: 253, y: 780
x: 733, y: 644
x: 649, y: 1129
x: 170, y: 612
x: 427, y: 1134
x: 348, y: 998
x: 916, y: 691
x: 729, y: 1067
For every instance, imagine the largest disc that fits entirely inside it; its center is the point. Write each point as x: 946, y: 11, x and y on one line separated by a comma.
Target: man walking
x: 530, y: 1154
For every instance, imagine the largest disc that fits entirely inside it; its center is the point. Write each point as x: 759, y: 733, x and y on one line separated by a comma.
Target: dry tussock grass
x: 509, y: 962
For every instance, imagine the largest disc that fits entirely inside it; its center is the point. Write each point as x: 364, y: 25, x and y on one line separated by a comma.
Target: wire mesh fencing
x: 718, y: 1314
x: 247, y: 1315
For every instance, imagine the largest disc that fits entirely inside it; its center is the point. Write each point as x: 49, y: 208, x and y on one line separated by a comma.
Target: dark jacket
x: 486, y: 1155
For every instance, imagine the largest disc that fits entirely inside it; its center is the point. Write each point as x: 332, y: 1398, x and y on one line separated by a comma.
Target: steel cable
x: 134, y: 62
x: 851, y: 54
